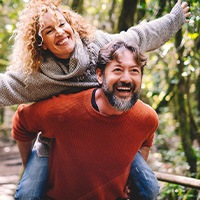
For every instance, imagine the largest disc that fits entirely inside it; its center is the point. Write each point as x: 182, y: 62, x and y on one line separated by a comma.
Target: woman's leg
x: 143, y: 180
x: 33, y: 182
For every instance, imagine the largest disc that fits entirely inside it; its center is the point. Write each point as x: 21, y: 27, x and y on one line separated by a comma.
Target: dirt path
x: 10, y: 168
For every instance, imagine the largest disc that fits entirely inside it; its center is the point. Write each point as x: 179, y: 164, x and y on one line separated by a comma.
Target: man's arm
x: 145, y: 152
x: 25, y: 126
x: 25, y: 150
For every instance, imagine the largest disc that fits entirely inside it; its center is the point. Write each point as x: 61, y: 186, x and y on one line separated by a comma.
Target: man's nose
x: 126, y: 77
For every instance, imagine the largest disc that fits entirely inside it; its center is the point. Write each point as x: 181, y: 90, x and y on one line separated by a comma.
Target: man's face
x: 57, y: 34
x: 121, y: 81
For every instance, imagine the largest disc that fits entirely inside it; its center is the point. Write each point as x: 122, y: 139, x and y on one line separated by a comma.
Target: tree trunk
x: 126, y: 18
x: 141, y: 11
x: 111, y: 13
x: 77, y: 5
x: 162, y: 6
x: 184, y: 128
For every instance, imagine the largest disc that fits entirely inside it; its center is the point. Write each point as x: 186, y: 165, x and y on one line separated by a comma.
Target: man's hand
x: 127, y: 190
x: 145, y: 152
x: 185, y: 8
x: 25, y: 150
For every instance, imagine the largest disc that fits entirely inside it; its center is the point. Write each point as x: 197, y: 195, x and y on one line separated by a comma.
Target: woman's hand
x: 185, y: 8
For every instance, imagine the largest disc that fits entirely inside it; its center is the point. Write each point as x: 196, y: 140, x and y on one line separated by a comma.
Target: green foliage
x: 103, y: 14
x: 9, y: 13
x: 164, y: 72
x: 175, y: 192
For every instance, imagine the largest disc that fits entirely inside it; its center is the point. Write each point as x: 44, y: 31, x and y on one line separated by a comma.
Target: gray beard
x: 119, y: 104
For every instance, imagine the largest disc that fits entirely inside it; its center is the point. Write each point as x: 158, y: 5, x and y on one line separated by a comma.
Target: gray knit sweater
x: 57, y: 77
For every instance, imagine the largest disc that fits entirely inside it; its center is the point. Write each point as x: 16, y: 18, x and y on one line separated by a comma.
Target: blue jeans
x: 143, y: 180
x: 33, y: 182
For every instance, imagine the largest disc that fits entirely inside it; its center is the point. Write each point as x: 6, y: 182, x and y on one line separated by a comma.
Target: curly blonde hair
x: 27, y: 53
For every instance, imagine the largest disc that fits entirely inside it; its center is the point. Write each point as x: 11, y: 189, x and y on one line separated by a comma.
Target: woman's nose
x: 59, y: 31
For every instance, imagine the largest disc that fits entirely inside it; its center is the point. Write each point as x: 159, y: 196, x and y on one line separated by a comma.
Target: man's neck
x: 103, y: 104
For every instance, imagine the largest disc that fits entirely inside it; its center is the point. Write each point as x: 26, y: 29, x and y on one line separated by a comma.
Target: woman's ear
x: 99, y: 76
x: 44, y: 47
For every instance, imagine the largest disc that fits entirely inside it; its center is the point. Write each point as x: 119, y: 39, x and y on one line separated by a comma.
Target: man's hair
x: 112, y: 51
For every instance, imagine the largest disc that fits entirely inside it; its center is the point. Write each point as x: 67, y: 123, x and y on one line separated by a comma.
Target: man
x: 62, y: 55
x: 96, y: 133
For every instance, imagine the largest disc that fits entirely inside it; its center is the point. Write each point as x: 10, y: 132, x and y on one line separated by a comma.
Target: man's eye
x: 117, y: 70
x: 135, y: 70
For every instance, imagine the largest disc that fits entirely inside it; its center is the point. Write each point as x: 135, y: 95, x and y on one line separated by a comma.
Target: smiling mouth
x: 62, y: 42
x: 123, y: 89
x: 123, y: 92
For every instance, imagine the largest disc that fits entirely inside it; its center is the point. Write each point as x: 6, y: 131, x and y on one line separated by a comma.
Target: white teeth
x: 123, y: 88
x: 63, y: 41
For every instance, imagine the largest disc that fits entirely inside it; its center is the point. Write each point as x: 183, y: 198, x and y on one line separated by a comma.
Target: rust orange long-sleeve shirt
x: 91, y: 153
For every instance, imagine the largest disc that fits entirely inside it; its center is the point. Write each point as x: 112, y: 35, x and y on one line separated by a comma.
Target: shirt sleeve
x: 31, y: 119
x: 16, y: 88
x: 21, y: 128
x: 151, y: 125
x: 148, y: 142
x: 151, y: 35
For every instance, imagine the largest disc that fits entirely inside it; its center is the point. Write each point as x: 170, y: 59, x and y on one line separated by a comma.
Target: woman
x: 55, y: 50
x: 33, y: 65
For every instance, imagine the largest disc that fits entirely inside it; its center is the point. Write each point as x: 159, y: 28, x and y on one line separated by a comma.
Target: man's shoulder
x: 146, y: 115
x: 140, y: 104
x: 58, y: 101
x: 65, y: 101
x: 144, y: 111
x: 69, y: 96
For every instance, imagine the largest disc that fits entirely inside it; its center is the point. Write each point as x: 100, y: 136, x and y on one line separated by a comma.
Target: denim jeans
x: 34, y: 179
x: 33, y: 182
x: 143, y: 180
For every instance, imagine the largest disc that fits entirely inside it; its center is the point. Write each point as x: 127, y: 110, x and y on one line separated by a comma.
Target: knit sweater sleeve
x: 151, y: 35
x: 23, y: 121
x: 16, y: 88
x: 151, y: 124
x: 31, y: 119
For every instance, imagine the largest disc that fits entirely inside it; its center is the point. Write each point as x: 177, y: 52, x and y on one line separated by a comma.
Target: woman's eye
x: 62, y: 24
x: 49, y: 31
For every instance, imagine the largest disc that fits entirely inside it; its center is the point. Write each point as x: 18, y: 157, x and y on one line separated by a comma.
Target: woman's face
x: 57, y: 34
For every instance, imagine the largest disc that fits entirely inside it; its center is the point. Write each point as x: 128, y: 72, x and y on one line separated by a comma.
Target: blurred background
x: 171, y: 85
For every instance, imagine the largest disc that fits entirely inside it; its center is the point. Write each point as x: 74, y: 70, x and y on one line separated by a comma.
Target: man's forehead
x: 124, y: 55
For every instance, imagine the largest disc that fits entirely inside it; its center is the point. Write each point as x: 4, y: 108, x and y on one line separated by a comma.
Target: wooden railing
x: 180, y: 180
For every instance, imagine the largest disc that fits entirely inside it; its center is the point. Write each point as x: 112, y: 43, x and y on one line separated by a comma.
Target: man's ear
x: 99, y: 76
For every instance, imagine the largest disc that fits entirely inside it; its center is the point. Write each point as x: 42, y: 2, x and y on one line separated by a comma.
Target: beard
x: 120, y: 104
